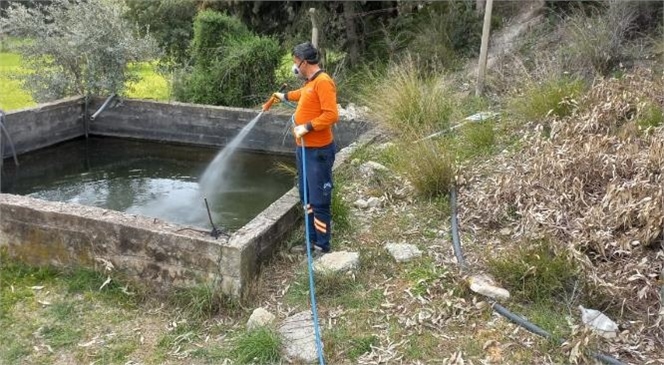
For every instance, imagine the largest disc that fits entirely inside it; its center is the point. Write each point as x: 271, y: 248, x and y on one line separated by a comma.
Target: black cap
x: 306, y: 51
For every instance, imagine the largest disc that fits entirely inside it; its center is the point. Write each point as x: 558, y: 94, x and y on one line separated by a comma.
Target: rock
x: 505, y: 231
x: 374, y: 202
x: 369, y: 168
x: 299, y: 338
x: 483, y: 284
x: 361, y: 203
x: 403, y: 252
x: 599, y: 322
x: 259, y: 318
x: 335, y: 262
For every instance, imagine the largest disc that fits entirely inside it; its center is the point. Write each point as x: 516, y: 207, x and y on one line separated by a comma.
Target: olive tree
x: 76, y: 47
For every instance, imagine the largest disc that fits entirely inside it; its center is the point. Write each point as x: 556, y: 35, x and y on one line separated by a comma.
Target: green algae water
x: 148, y: 178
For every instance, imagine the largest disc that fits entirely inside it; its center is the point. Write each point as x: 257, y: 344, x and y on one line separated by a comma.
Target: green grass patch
x: 476, y: 139
x: 428, y: 165
x: 341, y: 216
x: 410, y: 103
x: 650, y: 116
x: 423, y: 275
x: 12, y: 94
x: 554, y: 96
x: 116, y: 351
x: 259, y: 346
x: 535, y: 273
x: 201, y: 301
x: 334, y: 289
x: 61, y: 335
x: 151, y: 84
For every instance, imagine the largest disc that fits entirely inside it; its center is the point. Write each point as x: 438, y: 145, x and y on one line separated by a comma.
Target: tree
x: 76, y: 47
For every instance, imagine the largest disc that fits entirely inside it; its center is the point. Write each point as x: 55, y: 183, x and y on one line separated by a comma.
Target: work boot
x: 302, y: 249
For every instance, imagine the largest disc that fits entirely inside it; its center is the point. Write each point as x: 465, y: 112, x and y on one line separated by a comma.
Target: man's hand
x: 278, y: 96
x: 300, y: 131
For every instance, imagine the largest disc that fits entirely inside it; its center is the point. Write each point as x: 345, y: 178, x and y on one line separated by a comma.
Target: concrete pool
x: 42, y: 231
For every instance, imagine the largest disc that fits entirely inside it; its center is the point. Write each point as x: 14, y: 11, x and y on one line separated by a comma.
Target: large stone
x: 259, y: 318
x: 485, y: 285
x: 374, y: 202
x: 337, y: 262
x: 403, y: 252
x: 299, y: 339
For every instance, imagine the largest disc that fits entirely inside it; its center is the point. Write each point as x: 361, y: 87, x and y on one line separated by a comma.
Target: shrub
x: 231, y: 66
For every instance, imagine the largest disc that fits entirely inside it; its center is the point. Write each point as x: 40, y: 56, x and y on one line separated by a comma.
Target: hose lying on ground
x: 456, y: 244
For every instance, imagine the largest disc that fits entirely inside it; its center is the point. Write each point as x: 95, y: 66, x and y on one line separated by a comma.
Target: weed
x: 116, y: 351
x: 408, y: 103
x: 650, y: 116
x: 476, y: 139
x: 259, y: 346
x: 340, y: 207
x: 361, y: 345
x: 200, y: 301
x: 428, y: 165
x: 554, y: 96
x: 534, y: 272
x: 423, y: 275
x: 63, y: 311
x: 59, y: 336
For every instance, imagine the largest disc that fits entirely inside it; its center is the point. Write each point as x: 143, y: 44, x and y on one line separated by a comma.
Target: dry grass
x: 593, y: 185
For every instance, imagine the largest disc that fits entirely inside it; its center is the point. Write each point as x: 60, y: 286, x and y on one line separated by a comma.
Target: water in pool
x: 149, y: 178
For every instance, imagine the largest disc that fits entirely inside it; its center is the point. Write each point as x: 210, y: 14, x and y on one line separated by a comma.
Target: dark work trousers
x: 319, y: 161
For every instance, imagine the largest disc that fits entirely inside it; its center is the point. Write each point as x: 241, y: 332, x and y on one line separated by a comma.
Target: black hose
x: 499, y: 308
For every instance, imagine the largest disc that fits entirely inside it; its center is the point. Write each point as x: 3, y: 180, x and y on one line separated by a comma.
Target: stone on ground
x: 259, y: 318
x: 403, y: 252
x: 299, y: 339
x: 485, y: 285
x: 335, y: 262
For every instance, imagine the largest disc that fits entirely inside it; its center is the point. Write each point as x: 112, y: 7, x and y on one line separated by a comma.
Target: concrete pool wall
x: 40, y: 232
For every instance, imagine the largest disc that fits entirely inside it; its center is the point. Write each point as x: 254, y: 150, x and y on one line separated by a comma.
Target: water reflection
x: 152, y: 179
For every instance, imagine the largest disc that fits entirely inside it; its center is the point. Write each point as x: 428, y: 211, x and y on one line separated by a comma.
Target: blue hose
x: 312, y: 287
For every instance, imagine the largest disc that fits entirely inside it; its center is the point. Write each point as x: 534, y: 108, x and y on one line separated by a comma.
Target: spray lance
x: 273, y: 99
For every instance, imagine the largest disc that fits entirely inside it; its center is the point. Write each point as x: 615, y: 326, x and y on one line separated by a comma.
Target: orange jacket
x: 316, y: 108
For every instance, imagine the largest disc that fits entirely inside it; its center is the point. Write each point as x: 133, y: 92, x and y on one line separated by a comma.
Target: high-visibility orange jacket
x: 317, y: 109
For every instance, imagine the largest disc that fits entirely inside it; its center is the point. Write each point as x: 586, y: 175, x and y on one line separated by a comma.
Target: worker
x: 315, y: 114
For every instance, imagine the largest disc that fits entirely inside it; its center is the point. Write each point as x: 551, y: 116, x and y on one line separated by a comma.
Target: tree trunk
x: 351, y: 33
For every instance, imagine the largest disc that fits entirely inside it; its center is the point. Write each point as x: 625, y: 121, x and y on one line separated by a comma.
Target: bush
x: 446, y: 31
x: 231, y: 66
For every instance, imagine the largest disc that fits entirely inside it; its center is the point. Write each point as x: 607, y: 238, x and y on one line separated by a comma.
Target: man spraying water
x: 314, y: 116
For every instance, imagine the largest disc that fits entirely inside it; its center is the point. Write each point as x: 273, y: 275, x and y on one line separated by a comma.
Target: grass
x: 554, y: 96
x: 259, y: 346
x: 200, y: 301
x: 151, y: 84
x: 535, y: 273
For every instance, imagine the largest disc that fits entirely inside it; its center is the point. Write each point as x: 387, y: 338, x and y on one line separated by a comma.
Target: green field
x: 151, y: 85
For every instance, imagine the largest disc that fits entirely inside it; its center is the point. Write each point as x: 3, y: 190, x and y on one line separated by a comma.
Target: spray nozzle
x: 273, y: 98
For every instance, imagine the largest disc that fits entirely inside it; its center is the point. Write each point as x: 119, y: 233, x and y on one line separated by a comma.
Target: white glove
x: 300, y: 130
x: 279, y: 96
